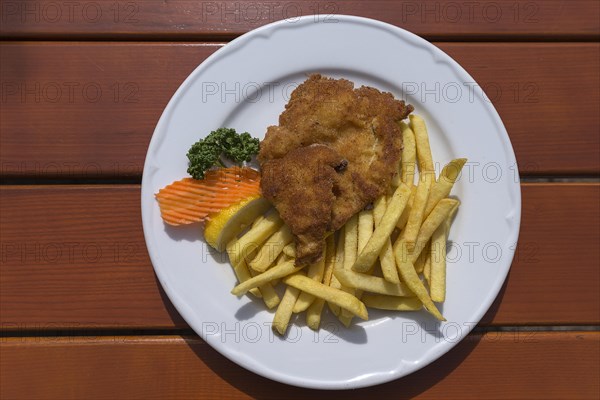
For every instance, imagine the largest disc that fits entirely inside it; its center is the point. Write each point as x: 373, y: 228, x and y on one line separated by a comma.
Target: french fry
x: 350, y: 241
x: 427, y: 267
x: 313, y: 313
x: 350, y: 251
x: 330, y: 255
x: 338, y: 264
x: 269, y: 295
x: 437, y: 280
x: 240, y: 268
x: 284, y: 311
x: 386, y: 256
x: 256, y: 236
x: 441, y: 189
x: 435, y: 219
x: 365, y: 228
x: 417, y: 210
x: 422, y: 143
x: 394, y: 303
x: 406, y: 167
x: 281, y: 259
x: 450, y: 218
x: 426, y: 180
x: 335, y: 309
x: 373, y: 248
x: 411, y: 279
x: 422, y: 259
x: 437, y: 275
x: 379, y: 207
x: 260, y: 218
x: 278, y: 271
x: 387, y: 263
x: 315, y: 271
x: 409, y: 156
x: 338, y: 297
x: 271, y: 249
x: 404, y: 216
x: 345, y: 318
x: 289, y: 250
x: 372, y: 284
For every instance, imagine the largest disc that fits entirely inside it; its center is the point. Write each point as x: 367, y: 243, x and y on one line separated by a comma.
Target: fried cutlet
x: 358, y: 126
x: 301, y: 186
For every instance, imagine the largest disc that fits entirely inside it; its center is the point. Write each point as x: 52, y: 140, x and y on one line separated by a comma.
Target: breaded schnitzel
x: 301, y: 186
x: 359, y: 126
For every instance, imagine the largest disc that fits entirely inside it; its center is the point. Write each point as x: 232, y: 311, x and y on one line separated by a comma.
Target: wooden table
x: 83, y: 85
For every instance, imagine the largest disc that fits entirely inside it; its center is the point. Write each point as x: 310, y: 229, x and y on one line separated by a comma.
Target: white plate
x: 245, y: 85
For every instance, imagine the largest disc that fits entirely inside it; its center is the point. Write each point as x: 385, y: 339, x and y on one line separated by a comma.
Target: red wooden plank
x: 73, y: 110
x: 508, y: 365
x: 577, y: 19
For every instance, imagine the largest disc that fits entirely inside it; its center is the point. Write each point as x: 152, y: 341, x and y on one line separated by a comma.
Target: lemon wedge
x: 231, y: 221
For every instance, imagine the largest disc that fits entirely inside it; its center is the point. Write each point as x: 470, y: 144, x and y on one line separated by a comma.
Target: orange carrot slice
x: 189, y: 200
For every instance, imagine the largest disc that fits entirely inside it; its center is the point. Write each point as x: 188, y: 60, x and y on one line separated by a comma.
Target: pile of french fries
x: 376, y: 260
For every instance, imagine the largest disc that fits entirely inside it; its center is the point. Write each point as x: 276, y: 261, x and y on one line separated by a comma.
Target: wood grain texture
x: 86, y: 110
x: 484, y: 19
x: 73, y: 110
x: 496, y: 365
x: 74, y: 257
x: 559, y: 224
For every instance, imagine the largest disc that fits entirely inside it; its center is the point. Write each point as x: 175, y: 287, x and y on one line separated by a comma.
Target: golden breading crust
x: 301, y: 186
x: 360, y: 125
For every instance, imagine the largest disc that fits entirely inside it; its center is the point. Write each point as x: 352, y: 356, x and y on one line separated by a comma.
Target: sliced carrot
x: 190, y: 200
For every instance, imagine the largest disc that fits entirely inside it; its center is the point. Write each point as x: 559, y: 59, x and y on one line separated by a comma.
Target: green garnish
x: 226, y: 142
